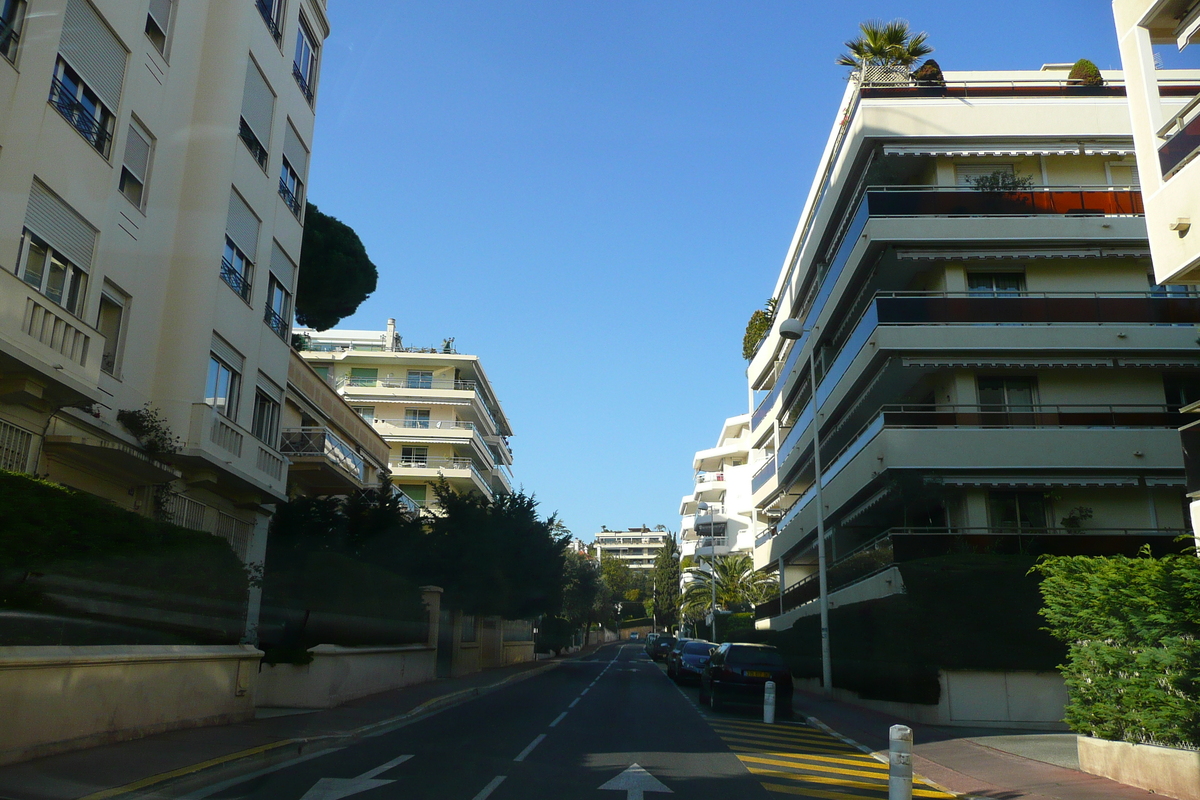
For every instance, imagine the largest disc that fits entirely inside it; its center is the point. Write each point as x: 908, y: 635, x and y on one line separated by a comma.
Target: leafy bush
x: 1132, y: 630
x: 929, y: 73
x: 1085, y: 73
x: 757, y: 329
x: 554, y: 635
x: 1001, y: 181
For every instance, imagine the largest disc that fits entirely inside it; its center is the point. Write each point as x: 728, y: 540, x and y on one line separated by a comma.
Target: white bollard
x: 769, y: 703
x: 900, y: 763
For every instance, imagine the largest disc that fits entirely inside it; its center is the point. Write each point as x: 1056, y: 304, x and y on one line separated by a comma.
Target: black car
x: 650, y: 637
x: 686, y: 661
x: 662, y: 646
x: 737, y: 673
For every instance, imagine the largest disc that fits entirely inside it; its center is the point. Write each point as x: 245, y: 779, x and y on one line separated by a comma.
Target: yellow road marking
x: 812, y: 793
x: 779, y: 734
x: 188, y: 770
x: 817, y: 767
x: 862, y: 761
x: 745, y: 740
x: 845, y: 784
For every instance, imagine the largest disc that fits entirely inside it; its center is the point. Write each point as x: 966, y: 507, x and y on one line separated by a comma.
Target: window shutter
x: 224, y: 351
x: 137, y: 154
x: 270, y: 388
x: 242, y: 226
x: 160, y: 12
x: 258, y: 104
x: 282, y: 266
x: 56, y: 222
x: 94, y: 51
x: 297, y: 154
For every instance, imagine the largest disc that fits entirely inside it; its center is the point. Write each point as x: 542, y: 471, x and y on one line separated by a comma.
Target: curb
x: 309, y: 746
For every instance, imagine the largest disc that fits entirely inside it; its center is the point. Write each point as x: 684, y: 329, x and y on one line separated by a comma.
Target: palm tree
x: 885, y: 44
x: 738, y: 586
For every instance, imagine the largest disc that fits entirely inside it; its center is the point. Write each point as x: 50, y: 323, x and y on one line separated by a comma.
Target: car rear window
x: 667, y: 642
x: 754, y: 656
x: 692, y: 648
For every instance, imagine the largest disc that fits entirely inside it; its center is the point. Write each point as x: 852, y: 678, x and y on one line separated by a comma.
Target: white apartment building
x: 722, y: 483
x: 433, y: 405
x: 995, y: 370
x: 153, y: 157
x: 635, y: 547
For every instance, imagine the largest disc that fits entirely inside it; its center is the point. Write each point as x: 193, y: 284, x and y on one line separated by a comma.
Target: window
x: 1181, y: 389
x: 272, y: 13
x: 414, y: 456
x: 1013, y: 394
x: 136, y: 169
x: 995, y: 284
x: 236, y: 269
x: 290, y: 187
x: 53, y: 275
x: 110, y: 322
x: 967, y: 174
x: 1017, y: 510
x: 304, y: 66
x: 416, y: 492
x: 420, y: 379
x: 158, y: 23
x: 1123, y: 175
x: 221, y: 389
x: 416, y: 418
x: 366, y: 412
x: 363, y: 376
x: 12, y: 17
x: 279, y: 308
x: 81, y: 107
x: 258, y: 111
x: 265, y: 425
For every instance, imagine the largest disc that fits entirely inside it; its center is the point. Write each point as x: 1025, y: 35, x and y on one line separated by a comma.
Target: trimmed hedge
x: 1132, y: 630
x: 1085, y: 73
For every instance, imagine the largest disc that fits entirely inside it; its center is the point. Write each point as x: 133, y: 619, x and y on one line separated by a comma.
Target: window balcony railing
x: 405, y: 383
x: 956, y: 201
x: 275, y: 322
x: 252, y: 143
x: 265, y: 9
x: 322, y: 442
x: 9, y: 39
x: 80, y: 117
x: 236, y: 280
x: 302, y: 82
x: 1182, y: 134
x: 429, y: 424
x: 289, y: 198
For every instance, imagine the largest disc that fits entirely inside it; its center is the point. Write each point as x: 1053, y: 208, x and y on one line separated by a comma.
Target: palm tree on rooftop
x: 886, y: 44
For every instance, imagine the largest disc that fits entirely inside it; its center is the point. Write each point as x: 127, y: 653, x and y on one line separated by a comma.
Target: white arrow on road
x: 337, y: 788
x: 635, y: 781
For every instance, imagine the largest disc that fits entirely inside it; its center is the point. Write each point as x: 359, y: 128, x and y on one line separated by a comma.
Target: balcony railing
x: 763, y: 474
x: 711, y: 541
x: 429, y: 424
x: 302, y: 82
x: 9, y: 39
x: 289, y: 197
x: 265, y: 9
x: 404, y: 500
x: 376, y: 346
x: 1182, y: 133
x: 236, y: 280
x: 275, y: 322
x: 252, y: 143
x: 405, y: 383
x: 1084, y: 415
x: 322, y: 442
x: 80, y: 117
x: 440, y: 464
x: 955, y: 201
x: 709, y: 477
x: 934, y: 308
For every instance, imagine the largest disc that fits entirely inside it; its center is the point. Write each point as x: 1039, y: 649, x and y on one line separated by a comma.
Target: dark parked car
x: 650, y: 637
x: 685, y: 662
x: 737, y: 673
x: 662, y: 646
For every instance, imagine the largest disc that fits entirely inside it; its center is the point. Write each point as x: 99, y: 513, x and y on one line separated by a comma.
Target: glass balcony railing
x: 1182, y: 134
x: 764, y: 474
x: 955, y: 201
x: 322, y: 442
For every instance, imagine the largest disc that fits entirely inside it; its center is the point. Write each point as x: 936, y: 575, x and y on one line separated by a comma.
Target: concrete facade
x: 635, y: 547
x: 722, y: 482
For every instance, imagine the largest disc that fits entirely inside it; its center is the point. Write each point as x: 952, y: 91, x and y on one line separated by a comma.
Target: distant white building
x: 722, y: 484
x: 636, y: 547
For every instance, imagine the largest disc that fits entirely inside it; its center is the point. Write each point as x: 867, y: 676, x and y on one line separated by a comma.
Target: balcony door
x: 995, y: 284
x: 1017, y: 511
x: 1007, y: 401
x: 363, y: 376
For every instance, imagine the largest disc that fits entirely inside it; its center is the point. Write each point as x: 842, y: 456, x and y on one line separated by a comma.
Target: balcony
x: 321, y: 447
x: 81, y: 118
x: 275, y: 322
x: 955, y: 201
x: 404, y: 383
x: 252, y: 144
x: 231, y: 456
x: 302, y: 82
x: 1182, y: 135
x: 449, y: 468
x: 268, y: 16
x: 289, y: 198
x: 236, y: 280
x: 762, y: 475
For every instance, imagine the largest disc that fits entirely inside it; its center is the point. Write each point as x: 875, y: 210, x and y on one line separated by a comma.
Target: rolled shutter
x: 224, y: 351
x: 137, y: 154
x: 242, y: 226
x: 297, y: 154
x: 270, y: 388
x: 258, y: 104
x: 94, y: 51
x: 58, y: 224
x: 160, y: 12
x: 282, y: 267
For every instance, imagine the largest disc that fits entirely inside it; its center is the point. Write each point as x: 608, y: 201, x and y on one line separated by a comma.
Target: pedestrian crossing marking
x: 815, y: 764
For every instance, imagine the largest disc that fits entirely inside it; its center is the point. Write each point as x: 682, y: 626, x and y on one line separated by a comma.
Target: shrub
x: 929, y: 73
x: 1132, y: 630
x: 757, y: 329
x: 1085, y: 73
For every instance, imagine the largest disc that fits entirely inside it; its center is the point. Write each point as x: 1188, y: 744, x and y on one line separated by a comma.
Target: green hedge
x: 1132, y: 630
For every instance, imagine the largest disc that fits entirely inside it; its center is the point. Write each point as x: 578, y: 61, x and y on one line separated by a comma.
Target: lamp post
x: 712, y: 563
x: 794, y: 329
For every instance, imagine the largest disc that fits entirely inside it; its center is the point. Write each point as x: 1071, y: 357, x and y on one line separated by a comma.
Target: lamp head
x: 791, y: 329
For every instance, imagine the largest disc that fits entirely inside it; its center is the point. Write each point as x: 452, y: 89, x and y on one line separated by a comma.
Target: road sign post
x: 900, y: 770
x: 769, y: 703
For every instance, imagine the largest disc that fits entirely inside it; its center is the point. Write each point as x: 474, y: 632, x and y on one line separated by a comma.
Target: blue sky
x: 594, y: 196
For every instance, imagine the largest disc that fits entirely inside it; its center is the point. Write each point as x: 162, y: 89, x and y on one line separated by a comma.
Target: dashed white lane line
x: 574, y: 703
x: 529, y: 749
x: 585, y: 691
x: 491, y: 787
x: 558, y: 719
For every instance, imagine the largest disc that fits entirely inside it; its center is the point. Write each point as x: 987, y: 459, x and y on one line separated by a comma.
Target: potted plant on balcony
x: 883, y: 52
x: 1085, y: 73
x: 1076, y: 517
x: 929, y: 74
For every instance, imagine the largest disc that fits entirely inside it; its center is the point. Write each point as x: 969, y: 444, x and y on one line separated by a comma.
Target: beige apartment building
x: 995, y: 369
x: 635, y: 547
x: 153, y: 157
x: 434, y: 406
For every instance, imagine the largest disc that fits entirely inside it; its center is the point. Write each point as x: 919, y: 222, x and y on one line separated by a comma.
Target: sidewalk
x: 139, y: 767
x: 979, y: 762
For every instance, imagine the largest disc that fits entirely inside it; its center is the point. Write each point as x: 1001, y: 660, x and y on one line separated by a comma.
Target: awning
x: 976, y: 254
x: 1004, y: 362
x: 1160, y: 363
x: 1009, y: 149
x: 864, y: 506
x: 1167, y: 481
x: 1038, y: 481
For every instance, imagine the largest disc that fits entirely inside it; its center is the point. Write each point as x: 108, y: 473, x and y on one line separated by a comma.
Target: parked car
x: 676, y: 645
x: 662, y: 646
x: 650, y: 637
x: 686, y: 662
x: 737, y: 673
x: 633, y: 636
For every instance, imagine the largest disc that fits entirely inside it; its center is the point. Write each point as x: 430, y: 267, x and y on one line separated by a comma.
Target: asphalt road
x: 563, y: 734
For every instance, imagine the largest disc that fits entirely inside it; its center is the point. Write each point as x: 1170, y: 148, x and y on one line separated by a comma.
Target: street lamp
x: 794, y: 329
x: 712, y: 564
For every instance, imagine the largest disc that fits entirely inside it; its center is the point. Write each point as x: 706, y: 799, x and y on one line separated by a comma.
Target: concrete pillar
x: 256, y: 556
x: 431, y: 596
